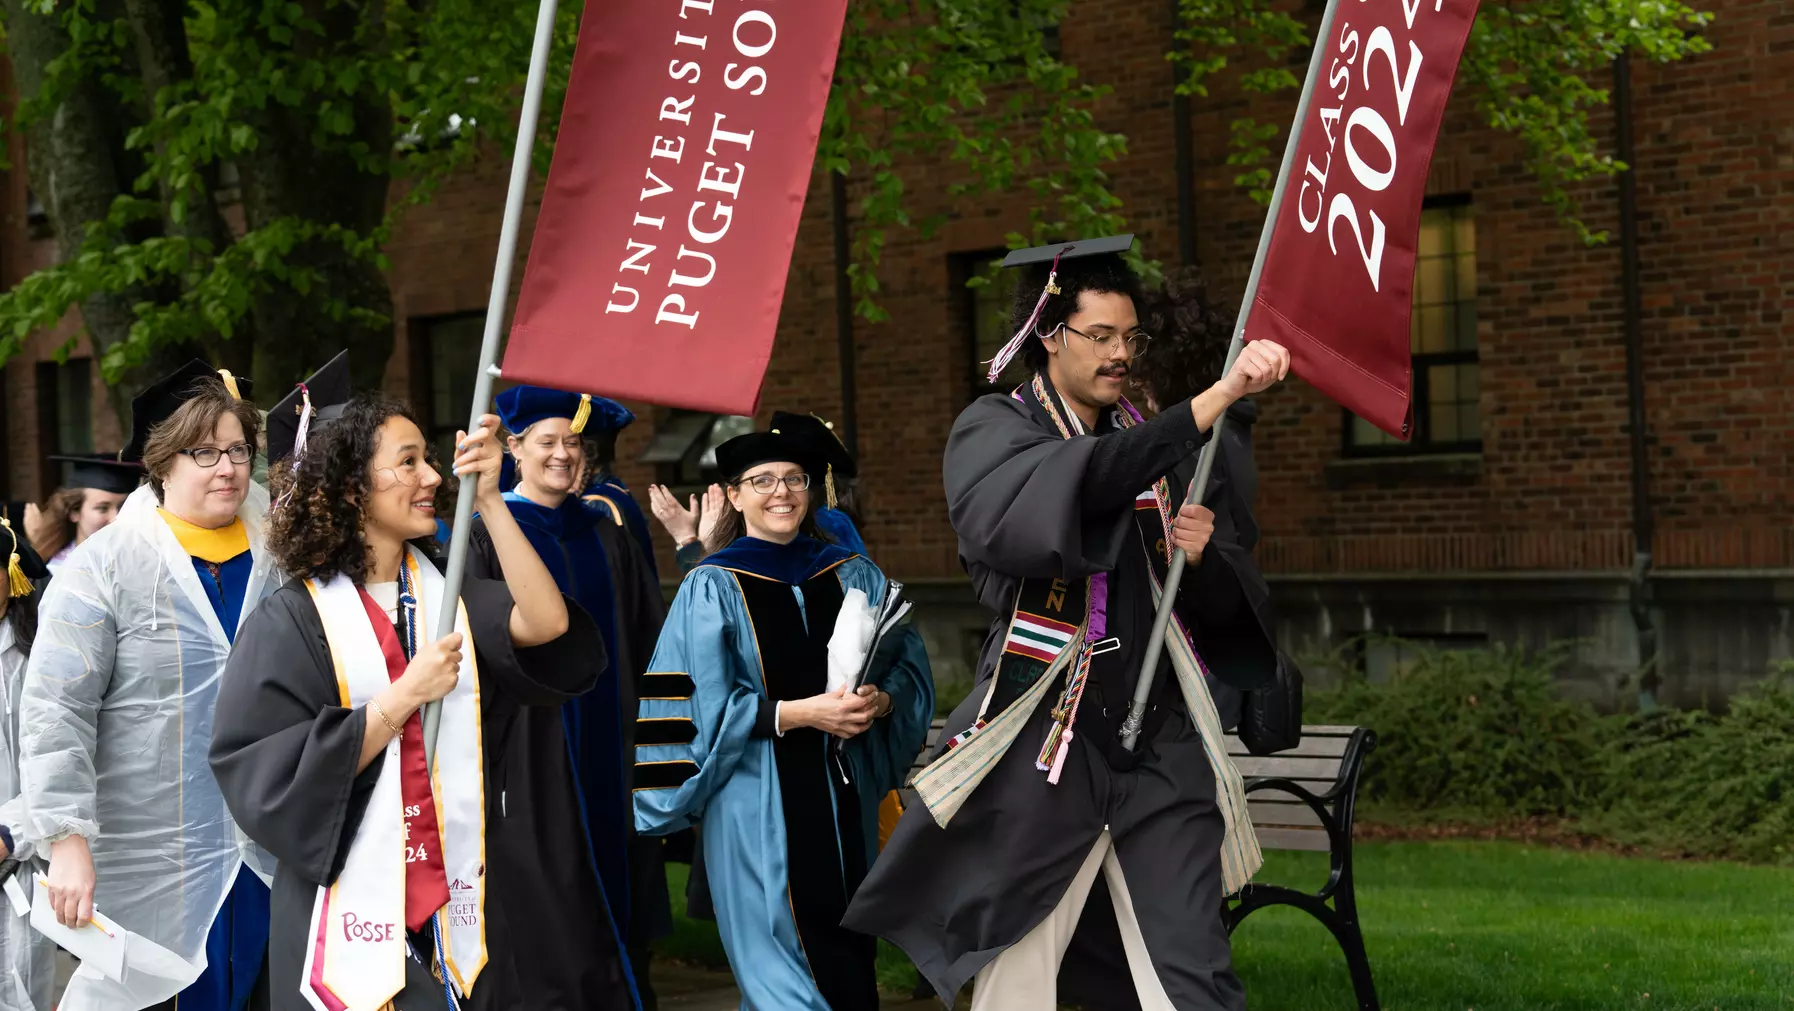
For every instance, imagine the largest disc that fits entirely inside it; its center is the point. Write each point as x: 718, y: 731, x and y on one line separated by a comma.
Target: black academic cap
x: 734, y: 457
x: 328, y: 390
x: 1069, y: 250
x: 164, y: 397
x: 1041, y: 266
x: 822, y: 435
x: 101, y: 472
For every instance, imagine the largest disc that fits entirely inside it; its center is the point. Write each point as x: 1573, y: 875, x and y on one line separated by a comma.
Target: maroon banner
x: 1338, y: 283
x: 685, y: 150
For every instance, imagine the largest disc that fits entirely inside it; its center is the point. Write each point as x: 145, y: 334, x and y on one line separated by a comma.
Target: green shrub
x: 1710, y: 786
x: 1482, y: 731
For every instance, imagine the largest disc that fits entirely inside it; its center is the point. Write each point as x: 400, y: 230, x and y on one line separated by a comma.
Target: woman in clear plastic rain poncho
x: 117, y: 710
x: 27, y: 958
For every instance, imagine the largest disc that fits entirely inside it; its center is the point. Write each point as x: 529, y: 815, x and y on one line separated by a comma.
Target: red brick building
x: 1510, y: 520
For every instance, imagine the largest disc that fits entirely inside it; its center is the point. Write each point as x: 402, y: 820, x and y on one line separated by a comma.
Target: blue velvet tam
x: 522, y: 406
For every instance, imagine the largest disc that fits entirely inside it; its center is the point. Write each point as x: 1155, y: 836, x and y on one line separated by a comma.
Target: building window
x: 445, y: 355
x: 982, y: 312
x: 64, y: 414
x: 1447, y: 387
x: 683, y: 451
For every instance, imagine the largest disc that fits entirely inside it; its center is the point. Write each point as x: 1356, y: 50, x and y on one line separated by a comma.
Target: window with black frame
x: 1447, y: 384
x: 445, y: 358
x: 65, y: 415
x: 982, y: 298
x: 683, y: 450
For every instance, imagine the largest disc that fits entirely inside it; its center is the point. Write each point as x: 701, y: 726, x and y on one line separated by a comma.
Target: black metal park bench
x: 1305, y: 799
x: 1301, y: 799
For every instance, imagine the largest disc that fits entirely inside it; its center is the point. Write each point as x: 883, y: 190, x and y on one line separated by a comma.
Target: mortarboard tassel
x: 1008, y: 351
x: 230, y: 383
x: 583, y: 415
x: 299, y: 438
x: 17, y: 584
x: 828, y: 482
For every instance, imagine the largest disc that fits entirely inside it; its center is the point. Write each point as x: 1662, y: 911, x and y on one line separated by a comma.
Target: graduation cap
x: 23, y: 565
x: 734, y: 457
x: 101, y: 472
x: 165, y: 396
x: 1055, y: 254
x: 522, y: 406
x: 827, y: 446
x: 313, y: 404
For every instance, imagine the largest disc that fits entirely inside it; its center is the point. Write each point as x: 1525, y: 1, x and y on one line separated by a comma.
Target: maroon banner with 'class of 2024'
x: 1338, y: 281
x: 665, y: 235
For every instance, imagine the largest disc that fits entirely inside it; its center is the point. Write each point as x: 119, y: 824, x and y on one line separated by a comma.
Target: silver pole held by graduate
x: 1155, y: 645
x: 495, y: 317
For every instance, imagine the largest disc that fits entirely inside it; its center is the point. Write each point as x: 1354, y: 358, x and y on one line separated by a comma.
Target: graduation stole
x: 356, y: 958
x: 1058, y: 626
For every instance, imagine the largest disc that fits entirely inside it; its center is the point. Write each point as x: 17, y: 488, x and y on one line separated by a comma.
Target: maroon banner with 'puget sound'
x: 685, y: 150
x: 1338, y: 282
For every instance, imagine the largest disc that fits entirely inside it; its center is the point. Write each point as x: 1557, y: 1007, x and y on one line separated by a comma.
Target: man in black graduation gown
x: 1055, y: 492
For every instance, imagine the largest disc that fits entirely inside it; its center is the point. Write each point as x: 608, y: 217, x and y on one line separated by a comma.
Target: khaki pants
x: 1025, y: 977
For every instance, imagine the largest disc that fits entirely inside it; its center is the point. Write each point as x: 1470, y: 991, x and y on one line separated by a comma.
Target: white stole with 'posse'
x: 355, y: 958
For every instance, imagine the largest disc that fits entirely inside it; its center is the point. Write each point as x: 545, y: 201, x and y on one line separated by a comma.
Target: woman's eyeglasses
x: 208, y: 456
x: 766, y: 484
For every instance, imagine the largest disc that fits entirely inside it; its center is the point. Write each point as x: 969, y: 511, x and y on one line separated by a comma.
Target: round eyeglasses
x: 208, y: 456
x: 1108, y: 343
x: 766, y: 484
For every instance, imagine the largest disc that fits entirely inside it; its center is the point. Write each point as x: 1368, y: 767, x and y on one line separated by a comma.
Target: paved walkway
x: 687, y: 988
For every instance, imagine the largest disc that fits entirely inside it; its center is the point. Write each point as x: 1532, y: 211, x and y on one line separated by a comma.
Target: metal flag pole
x: 495, y: 316
x: 1155, y: 644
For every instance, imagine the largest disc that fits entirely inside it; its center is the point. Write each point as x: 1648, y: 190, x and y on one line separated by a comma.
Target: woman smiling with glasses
x: 738, y: 727
x: 118, y: 701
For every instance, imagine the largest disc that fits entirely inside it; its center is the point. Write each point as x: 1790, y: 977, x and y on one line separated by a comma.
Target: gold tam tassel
x: 16, y: 583
x: 230, y: 383
x: 583, y: 415
x: 828, y: 482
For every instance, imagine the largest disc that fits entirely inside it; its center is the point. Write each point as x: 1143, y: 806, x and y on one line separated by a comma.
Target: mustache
x: 1115, y: 370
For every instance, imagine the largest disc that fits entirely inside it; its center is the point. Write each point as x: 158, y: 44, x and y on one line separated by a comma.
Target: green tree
x: 221, y: 175
x: 1528, y: 64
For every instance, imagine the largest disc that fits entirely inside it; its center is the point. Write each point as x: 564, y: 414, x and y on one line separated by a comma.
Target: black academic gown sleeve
x: 1027, y: 503
x: 284, y: 753
x: 1225, y: 594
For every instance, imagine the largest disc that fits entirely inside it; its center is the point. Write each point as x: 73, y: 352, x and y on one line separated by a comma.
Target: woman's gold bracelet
x: 375, y: 706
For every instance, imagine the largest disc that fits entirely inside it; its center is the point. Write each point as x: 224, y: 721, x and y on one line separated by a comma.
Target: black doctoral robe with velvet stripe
x: 284, y: 752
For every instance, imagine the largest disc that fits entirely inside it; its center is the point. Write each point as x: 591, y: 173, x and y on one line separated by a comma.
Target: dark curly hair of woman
x: 1190, y: 334
x: 316, y: 531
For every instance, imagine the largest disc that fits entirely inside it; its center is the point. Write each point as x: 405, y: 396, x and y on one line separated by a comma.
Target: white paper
x: 847, y: 647
x: 99, y: 943
x: 21, y: 906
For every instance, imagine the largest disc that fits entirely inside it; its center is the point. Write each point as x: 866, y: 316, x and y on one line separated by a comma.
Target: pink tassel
x: 1008, y: 351
x: 1059, y: 759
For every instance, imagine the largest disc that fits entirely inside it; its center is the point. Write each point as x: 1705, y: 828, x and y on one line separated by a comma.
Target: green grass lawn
x: 1480, y: 926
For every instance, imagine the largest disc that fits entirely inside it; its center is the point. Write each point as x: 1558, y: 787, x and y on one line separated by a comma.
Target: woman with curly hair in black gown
x: 385, y: 896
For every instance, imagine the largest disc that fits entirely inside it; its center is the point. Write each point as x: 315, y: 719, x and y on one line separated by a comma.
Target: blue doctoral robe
x: 611, y: 489
x: 840, y: 529
x: 569, y: 544
x: 786, y: 842
x: 238, y: 940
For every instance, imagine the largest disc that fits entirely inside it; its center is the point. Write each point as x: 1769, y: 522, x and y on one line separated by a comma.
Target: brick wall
x: 1550, y: 490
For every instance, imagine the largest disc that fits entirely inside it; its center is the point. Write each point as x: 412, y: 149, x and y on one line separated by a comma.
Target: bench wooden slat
x: 1311, y: 747
x: 1289, y: 768
x: 1311, y: 839
x: 1270, y: 814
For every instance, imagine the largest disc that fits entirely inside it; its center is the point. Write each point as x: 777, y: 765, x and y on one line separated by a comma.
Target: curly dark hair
x: 1190, y: 335
x: 316, y: 530
x: 1106, y: 273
